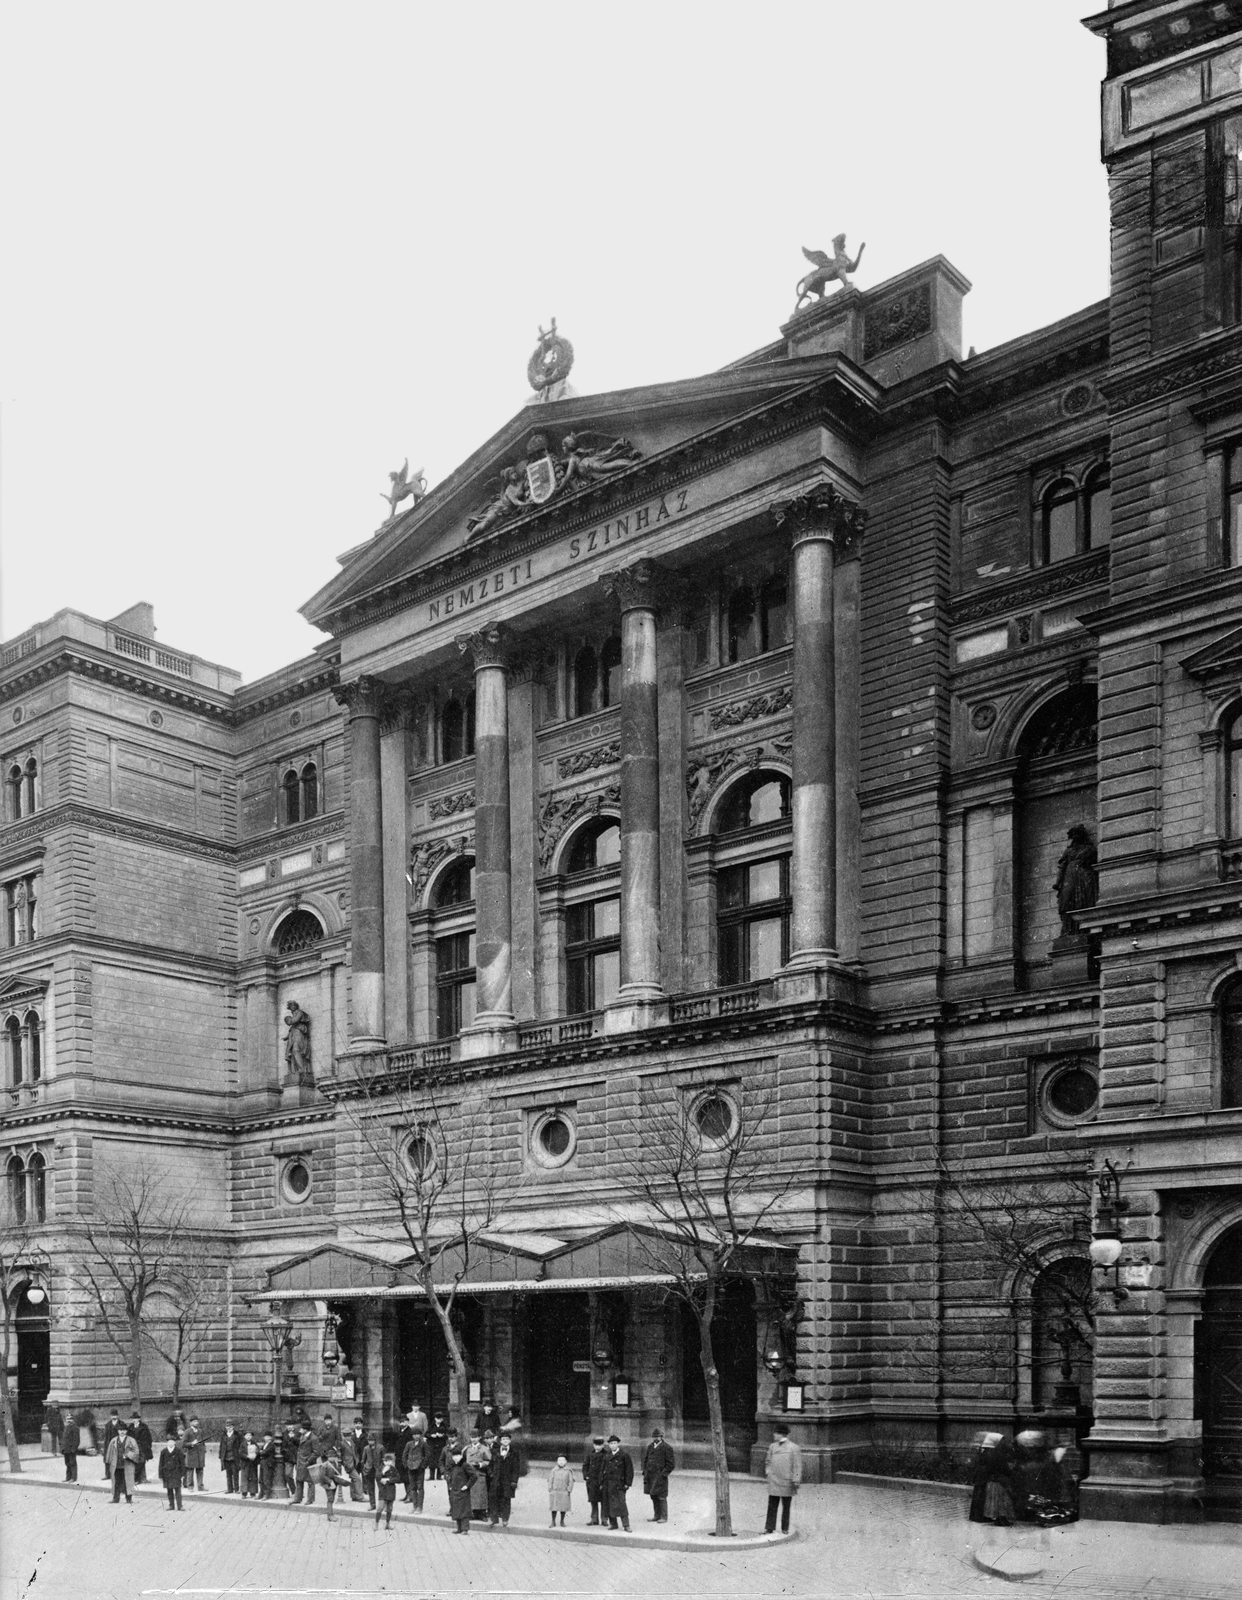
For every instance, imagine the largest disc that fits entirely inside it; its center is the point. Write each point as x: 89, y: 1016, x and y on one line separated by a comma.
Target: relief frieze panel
x: 428, y: 854
x: 558, y: 811
x: 708, y: 772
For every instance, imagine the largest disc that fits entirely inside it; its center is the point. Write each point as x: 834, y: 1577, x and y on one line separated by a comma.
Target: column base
x: 490, y: 1034
x: 814, y: 975
x: 639, y: 1006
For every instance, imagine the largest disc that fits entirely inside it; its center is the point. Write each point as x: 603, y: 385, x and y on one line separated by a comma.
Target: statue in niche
x: 834, y: 268
x: 298, y: 1046
x: 1078, y: 883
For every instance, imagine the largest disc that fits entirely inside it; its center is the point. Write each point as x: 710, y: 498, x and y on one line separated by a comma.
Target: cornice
x: 87, y: 1116
x: 1045, y: 583
x: 1170, y: 602
x: 220, y: 708
x: 1177, y: 908
x: 1154, y: 380
x: 72, y: 814
x: 825, y: 397
x: 278, y: 840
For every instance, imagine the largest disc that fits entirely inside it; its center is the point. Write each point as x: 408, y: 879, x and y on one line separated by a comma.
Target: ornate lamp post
x: 1105, y: 1247
x: 279, y: 1334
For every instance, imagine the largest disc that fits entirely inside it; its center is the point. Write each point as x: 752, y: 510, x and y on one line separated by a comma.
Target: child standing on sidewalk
x: 560, y: 1489
x: 386, y: 1487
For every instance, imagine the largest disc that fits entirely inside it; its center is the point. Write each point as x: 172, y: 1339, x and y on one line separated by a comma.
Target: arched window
x: 1230, y: 1009
x: 743, y: 621
x: 1099, y: 504
x: 34, y: 1046
x: 753, y: 899
x: 13, y: 798
x: 610, y: 672
x: 13, y: 1049
x: 17, y: 1189
x: 28, y: 785
x: 298, y: 931
x: 1061, y: 1320
x: 457, y: 729
x: 1233, y: 774
x: 37, y: 1170
x: 453, y: 899
x: 310, y: 791
x: 586, y: 682
x: 593, y: 922
x: 774, y: 612
x: 292, y: 795
x: 1059, y: 524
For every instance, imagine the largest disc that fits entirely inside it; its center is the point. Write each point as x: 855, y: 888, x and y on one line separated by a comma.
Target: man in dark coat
x: 353, y: 1447
x: 230, y: 1456
x: 290, y: 1438
x: 142, y: 1433
x: 460, y: 1477
x: 372, y: 1465
x: 404, y: 1435
x: 618, y: 1475
x: 329, y: 1434
x: 109, y: 1434
x: 488, y: 1419
x: 658, y: 1462
x: 593, y: 1476
x: 437, y: 1438
x: 307, y: 1456
x: 69, y: 1438
x: 55, y: 1425
x: 171, y: 1468
x: 503, y: 1472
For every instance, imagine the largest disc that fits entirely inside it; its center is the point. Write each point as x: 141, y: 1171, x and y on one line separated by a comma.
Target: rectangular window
x: 753, y: 911
x: 455, y: 984
x: 592, y: 955
x: 1233, y: 507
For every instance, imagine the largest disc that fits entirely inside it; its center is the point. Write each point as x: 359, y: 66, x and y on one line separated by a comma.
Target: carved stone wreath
x: 560, y: 810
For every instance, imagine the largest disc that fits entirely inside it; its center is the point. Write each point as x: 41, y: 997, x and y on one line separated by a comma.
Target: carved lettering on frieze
x: 559, y: 811
x: 448, y: 805
x: 759, y: 705
x: 604, y: 755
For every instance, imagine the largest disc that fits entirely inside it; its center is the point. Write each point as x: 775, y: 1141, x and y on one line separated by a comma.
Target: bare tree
x: 19, y: 1256
x: 187, y: 1312
x: 134, y: 1252
x: 427, y: 1144
x: 704, y: 1185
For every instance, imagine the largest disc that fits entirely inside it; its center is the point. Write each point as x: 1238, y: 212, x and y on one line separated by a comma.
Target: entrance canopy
x: 616, y: 1257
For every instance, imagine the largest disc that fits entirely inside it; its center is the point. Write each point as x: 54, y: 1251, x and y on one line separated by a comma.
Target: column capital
x: 399, y: 709
x: 823, y: 513
x: 643, y: 586
x: 362, y: 697
x: 490, y: 647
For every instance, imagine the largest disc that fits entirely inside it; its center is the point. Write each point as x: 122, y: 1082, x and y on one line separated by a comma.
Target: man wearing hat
x: 593, y: 1476
x: 658, y: 1462
x: 618, y: 1475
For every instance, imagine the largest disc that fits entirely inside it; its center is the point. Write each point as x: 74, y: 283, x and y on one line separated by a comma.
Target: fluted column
x: 817, y: 522
x: 635, y: 588
x: 493, y: 939
x: 364, y: 699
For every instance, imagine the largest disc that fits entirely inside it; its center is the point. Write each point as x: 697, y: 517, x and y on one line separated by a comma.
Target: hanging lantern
x: 331, y: 1350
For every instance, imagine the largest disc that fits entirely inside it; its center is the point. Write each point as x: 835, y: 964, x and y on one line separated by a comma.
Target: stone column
x: 640, y: 1000
x: 399, y: 713
x: 493, y: 1027
x: 364, y: 699
x: 817, y: 521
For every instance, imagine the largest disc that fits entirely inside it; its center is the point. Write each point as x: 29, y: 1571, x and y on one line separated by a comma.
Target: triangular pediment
x: 1222, y: 658
x: 17, y: 986
x: 658, y: 424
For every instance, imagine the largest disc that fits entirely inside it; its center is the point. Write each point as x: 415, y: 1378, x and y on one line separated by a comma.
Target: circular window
x: 295, y: 1181
x: 420, y: 1155
x: 1070, y: 1093
x: 554, y: 1138
x: 715, y: 1117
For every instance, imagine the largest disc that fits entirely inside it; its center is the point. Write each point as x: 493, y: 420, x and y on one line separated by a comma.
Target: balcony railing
x: 732, y: 1002
x: 572, y: 1031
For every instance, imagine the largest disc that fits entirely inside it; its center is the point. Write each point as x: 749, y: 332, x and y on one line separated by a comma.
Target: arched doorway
x: 735, y: 1347
x: 34, y: 1361
x: 1220, y: 1365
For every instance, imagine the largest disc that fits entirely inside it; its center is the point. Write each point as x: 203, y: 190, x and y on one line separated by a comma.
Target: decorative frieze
x: 560, y: 810
x: 448, y: 805
x: 604, y: 755
x: 897, y: 320
x: 426, y: 857
x: 759, y: 705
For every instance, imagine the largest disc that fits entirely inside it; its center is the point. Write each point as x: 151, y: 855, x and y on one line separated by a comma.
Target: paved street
x: 855, y: 1541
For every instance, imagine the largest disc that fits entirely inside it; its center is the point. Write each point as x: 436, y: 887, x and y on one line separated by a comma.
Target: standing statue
x: 835, y: 268
x: 1078, y: 882
x: 404, y: 487
x: 298, y: 1046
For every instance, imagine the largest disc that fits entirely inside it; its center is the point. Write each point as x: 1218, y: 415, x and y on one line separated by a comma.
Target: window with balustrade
x: 592, y: 899
x: 454, y: 936
x: 754, y: 903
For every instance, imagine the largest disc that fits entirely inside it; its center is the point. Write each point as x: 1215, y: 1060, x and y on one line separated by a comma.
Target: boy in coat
x: 593, y: 1477
x: 389, y: 1477
x: 230, y: 1456
x: 560, y: 1489
x: 333, y: 1476
x: 69, y: 1439
x: 171, y: 1468
x: 618, y: 1475
x: 460, y: 1479
x: 658, y: 1462
x: 121, y: 1460
x: 783, y: 1469
x: 372, y: 1463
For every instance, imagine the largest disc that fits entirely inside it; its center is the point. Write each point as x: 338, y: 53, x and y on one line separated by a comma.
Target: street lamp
x: 279, y: 1334
x: 1105, y: 1247
x: 331, y: 1351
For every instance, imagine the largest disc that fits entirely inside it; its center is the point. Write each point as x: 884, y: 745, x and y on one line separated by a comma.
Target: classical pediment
x: 1222, y: 658
x: 582, y: 453
x: 17, y: 987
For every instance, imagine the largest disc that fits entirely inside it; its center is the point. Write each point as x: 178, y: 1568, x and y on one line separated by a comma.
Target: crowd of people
x: 480, y: 1468
x: 1022, y: 1480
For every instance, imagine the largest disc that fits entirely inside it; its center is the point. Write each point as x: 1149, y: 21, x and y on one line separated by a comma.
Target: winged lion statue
x: 828, y: 269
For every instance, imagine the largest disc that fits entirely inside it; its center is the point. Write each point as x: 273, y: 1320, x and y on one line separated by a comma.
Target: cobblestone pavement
x: 59, y: 1541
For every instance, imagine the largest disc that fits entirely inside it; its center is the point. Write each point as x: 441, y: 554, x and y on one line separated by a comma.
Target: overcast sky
x: 256, y: 253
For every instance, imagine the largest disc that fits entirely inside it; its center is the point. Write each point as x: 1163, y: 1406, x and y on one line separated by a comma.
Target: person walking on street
x: 305, y: 1461
x: 414, y: 1465
x: 386, y: 1487
x: 658, y: 1462
x: 503, y: 1472
x: 69, y: 1439
x: 593, y: 1477
x: 783, y: 1470
x: 560, y: 1489
x: 171, y: 1468
x: 194, y: 1448
x: 333, y: 1476
x: 121, y: 1460
x: 618, y: 1475
x: 460, y: 1479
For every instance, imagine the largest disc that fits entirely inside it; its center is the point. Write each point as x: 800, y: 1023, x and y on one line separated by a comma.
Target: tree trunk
x: 720, y: 1459
x: 10, y: 1428
x: 133, y: 1367
x: 461, y: 1413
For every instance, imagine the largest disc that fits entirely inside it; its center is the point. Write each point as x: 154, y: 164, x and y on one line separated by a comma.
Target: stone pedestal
x: 1070, y: 956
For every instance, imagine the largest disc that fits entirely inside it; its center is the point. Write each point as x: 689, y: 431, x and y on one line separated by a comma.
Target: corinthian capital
x: 823, y: 513
x: 640, y: 587
x: 489, y: 647
x: 363, y: 697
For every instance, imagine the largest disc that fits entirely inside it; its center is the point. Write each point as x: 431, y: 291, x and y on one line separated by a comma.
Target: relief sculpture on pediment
x: 547, y: 471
